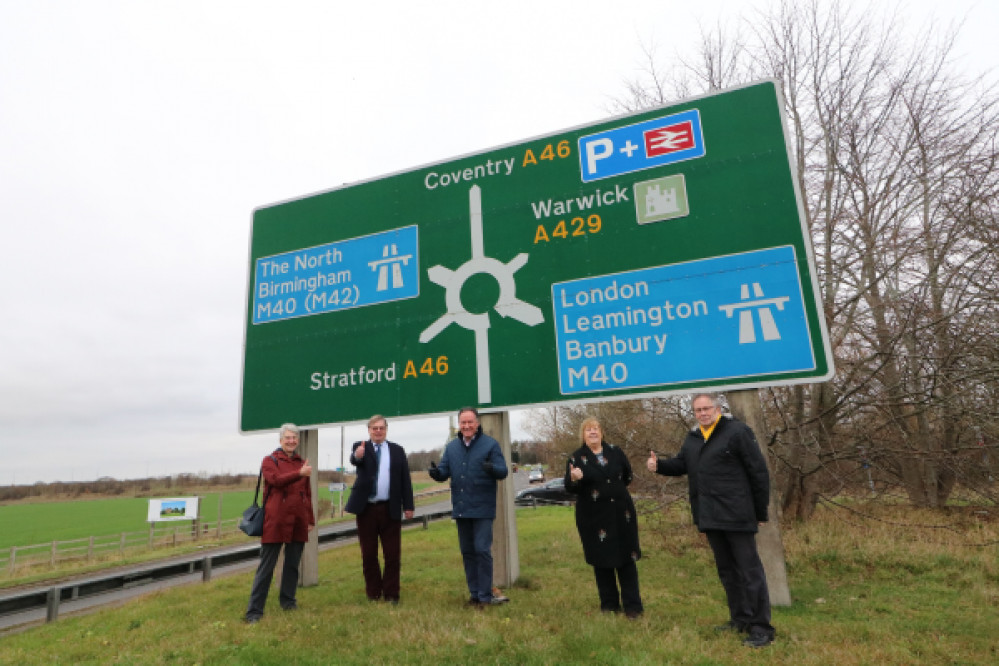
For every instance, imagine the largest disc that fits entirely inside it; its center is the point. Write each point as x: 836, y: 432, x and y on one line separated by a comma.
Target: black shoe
x: 633, y: 614
x: 731, y: 625
x: 251, y: 619
x: 473, y: 602
x: 292, y: 607
x: 392, y: 600
x: 758, y: 640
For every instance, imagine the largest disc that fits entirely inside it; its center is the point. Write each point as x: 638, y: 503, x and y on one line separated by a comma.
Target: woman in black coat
x: 605, y: 516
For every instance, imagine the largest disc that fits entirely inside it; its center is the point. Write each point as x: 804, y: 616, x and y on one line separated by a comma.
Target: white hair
x: 713, y: 397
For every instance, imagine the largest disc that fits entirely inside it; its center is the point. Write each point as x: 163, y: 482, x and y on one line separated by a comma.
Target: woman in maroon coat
x: 288, y: 517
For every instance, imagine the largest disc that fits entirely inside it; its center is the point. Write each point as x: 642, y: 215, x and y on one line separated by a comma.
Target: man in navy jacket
x: 474, y: 462
x: 381, y: 496
x: 729, y: 495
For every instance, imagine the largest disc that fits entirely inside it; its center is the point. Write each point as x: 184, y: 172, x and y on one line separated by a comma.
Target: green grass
x: 43, y: 522
x: 862, y: 595
x: 79, y: 519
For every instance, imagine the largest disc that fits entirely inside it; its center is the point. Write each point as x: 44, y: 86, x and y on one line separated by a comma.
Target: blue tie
x: 378, y: 470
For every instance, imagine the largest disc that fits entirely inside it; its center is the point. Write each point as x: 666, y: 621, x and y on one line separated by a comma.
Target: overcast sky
x: 137, y: 137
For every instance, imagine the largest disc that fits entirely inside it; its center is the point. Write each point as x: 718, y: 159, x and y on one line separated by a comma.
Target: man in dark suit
x: 381, y: 496
x: 729, y: 495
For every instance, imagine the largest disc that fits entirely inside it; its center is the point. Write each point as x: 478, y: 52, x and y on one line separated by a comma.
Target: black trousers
x: 741, y: 573
x: 607, y: 582
x: 265, y: 573
x: 374, y: 524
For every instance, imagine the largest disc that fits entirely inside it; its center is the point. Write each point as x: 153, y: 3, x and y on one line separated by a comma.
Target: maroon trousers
x: 374, y: 524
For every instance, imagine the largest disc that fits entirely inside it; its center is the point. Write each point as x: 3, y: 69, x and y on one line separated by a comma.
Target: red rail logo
x: 669, y: 139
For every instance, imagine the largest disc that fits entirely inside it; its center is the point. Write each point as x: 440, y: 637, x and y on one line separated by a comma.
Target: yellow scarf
x: 710, y: 429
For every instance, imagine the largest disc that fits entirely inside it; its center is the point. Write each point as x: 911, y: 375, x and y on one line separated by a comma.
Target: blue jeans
x: 475, y: 539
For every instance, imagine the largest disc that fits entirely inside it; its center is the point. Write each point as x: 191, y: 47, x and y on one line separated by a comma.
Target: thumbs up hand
x: 653, y: 462
x: 359, y: 451
x: 575, y: 473
x: 306, y: 469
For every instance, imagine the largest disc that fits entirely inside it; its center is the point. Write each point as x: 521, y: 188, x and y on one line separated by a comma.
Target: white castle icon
x: 658, y: 202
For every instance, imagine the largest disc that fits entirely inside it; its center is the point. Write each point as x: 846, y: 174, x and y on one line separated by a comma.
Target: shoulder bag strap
x: 256, y: 493
x: 267, y: 488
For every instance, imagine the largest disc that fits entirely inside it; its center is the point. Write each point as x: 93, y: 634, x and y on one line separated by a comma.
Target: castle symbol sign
x: 660, y: 252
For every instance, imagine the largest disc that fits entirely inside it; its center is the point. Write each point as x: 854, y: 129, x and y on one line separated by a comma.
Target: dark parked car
x: 553, y: 492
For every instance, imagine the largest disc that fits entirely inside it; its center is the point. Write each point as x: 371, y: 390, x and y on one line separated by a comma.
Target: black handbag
x: 252, y: 522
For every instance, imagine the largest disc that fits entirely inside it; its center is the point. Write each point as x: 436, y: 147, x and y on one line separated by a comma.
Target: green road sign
x: 658, y: 252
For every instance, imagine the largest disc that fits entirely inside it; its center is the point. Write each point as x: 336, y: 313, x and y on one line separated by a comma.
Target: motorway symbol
x: 390, y: 259
x: 747, y: 331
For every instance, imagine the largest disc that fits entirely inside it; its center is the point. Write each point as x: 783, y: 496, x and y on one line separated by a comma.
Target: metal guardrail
x: 49, y: 597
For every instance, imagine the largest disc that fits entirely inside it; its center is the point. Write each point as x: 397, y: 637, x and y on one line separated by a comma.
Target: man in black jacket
x: 729, y: 493
x: 381, y: 496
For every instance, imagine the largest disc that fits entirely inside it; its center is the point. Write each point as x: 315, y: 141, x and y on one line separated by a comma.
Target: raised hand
x: 359, y: 451
x: 575, y: 473
x: 653, y: 462
x: 306, y: 469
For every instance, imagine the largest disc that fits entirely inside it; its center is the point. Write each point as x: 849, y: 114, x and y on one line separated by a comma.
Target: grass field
x: 867, y: 592
x: 41, y: 522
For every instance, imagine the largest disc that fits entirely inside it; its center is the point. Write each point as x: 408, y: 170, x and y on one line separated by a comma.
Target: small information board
x: 173, y: 508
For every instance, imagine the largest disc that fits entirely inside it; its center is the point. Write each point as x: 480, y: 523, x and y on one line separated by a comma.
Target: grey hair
x: 715, y: 398
x: 287, y: 427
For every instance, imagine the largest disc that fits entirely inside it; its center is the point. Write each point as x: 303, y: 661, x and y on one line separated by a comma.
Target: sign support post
x: 506, y: 556
x: 308, y: 572
x: 746, y: 407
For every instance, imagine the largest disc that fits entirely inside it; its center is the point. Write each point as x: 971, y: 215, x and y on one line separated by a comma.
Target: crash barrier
x: 535, y: 502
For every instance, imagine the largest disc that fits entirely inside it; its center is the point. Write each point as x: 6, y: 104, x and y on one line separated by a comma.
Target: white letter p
x: 592, y: 154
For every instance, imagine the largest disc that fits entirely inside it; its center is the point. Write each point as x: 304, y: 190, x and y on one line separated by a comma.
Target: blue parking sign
x: 644, y: 145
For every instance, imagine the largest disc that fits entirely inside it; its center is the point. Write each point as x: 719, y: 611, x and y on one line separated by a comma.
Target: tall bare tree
x: 895, y: 149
